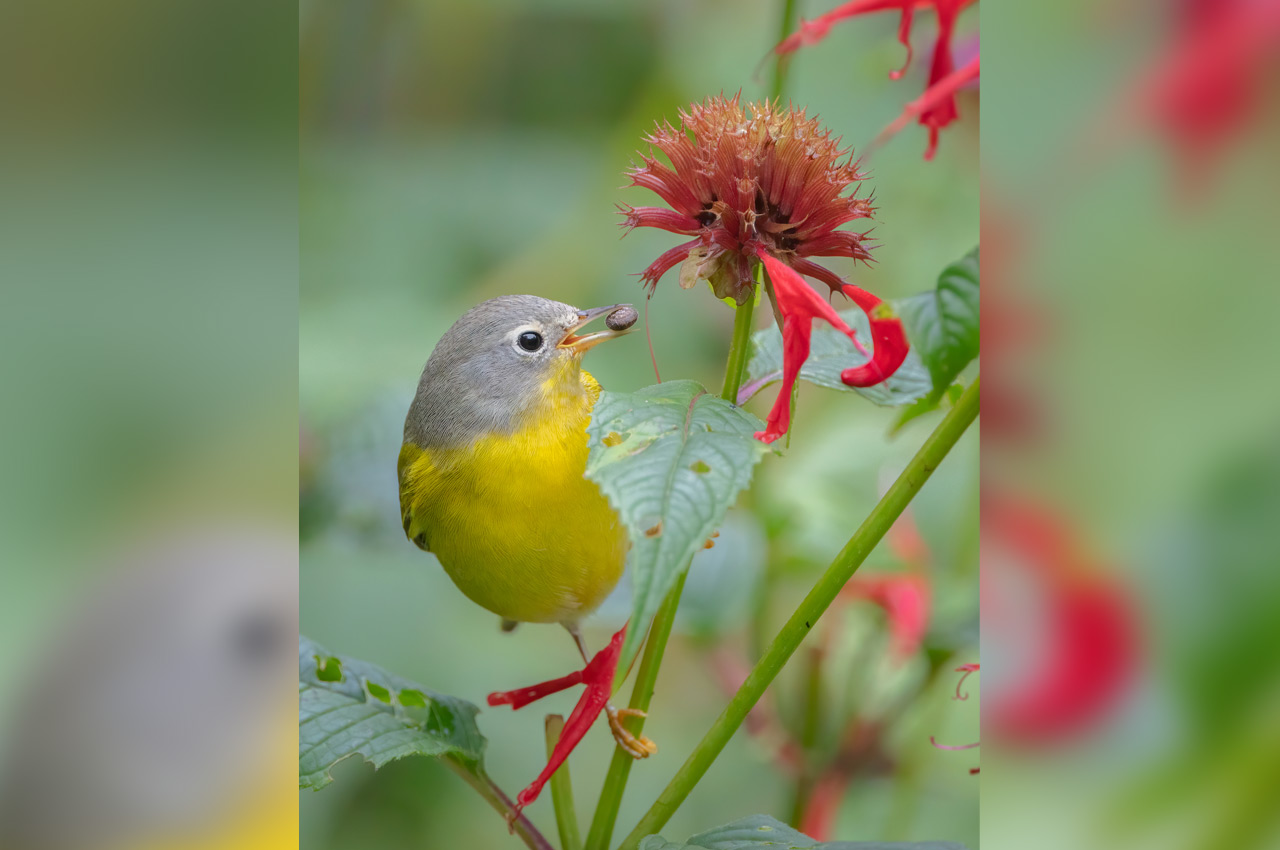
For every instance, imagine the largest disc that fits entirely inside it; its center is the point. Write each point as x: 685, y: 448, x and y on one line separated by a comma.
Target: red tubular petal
x: 521, y: 697
x: 812, y: 32
x: 661, y: 218
x: 904, y: 37
x: 598, y: 677
x: 666, y: 261
x: 890, y: 340
x: 930, y: 103
x: 822, y: 273
x: 966, y: 670
x: 799, y: 305
x: 666, y: 184
x: 840, y: 243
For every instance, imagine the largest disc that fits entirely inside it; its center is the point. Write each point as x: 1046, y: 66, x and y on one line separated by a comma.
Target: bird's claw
x: 638, y: 747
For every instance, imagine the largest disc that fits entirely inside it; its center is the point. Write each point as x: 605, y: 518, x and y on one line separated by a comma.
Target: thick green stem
x: 501, y: 803
x: 783, y: 63
x: 615, y: 781
x: 562, y: 790
x: 811, y: 723
x: 739, y: 351
x: 872, y: 530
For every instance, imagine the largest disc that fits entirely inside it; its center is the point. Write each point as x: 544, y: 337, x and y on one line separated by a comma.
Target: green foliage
x: 348, y: 707
x: 830, y: 353
x: 671, y: 459
x: 758, y: 831
x: 943, y: 325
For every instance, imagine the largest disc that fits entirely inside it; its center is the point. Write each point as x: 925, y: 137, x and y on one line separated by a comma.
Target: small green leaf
x: 338, y: 719
x: 943, y: 326
x: 671, y: 459
x: 830, y: 353
x: 760, y: 831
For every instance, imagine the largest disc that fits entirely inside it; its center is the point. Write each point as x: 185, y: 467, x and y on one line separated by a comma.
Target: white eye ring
x: 529, y: 342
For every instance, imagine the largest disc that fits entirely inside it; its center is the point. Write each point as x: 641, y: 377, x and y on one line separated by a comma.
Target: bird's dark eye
x: 530, y: 340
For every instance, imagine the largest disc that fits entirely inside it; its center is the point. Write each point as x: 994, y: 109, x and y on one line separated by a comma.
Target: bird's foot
x: 636, y: 746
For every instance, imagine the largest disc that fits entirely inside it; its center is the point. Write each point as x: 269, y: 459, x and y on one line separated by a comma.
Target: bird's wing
x: 413, y: 463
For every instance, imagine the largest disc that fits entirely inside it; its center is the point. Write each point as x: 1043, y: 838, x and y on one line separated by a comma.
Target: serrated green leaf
x: 830, y: 353
x: 348, y: 707
x: 761, y: 831
x: 943, y: 325
x: 671, y: 459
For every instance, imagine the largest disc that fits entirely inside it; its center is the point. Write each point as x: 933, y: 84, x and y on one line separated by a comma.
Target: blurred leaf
x: 347, y: 707
x: 763, y: 831
x: 943, y: 325
x: 830, y: 353
x: 671, y: 459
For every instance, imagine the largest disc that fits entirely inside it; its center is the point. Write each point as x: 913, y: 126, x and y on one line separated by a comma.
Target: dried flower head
x: 769, y: 183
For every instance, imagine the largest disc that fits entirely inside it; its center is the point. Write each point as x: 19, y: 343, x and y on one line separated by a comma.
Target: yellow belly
x: 514, y: 522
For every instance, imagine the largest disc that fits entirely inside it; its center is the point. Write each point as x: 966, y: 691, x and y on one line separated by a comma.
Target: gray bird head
x: 492, y: 369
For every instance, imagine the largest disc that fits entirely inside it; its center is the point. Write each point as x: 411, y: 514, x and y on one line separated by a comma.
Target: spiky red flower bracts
x: 771, y: 183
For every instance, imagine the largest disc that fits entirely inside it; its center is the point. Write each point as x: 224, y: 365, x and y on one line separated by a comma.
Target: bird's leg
x: 576, y: 633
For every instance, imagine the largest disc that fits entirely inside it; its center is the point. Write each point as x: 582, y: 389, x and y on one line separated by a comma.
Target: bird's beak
x: 579, y: 344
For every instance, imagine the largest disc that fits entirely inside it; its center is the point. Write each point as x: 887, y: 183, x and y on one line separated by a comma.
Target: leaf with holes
x: 830, y: 353
x: 348, y: 707
x: 943, y: 325
x: 671, y: 459
x: 761, y: 831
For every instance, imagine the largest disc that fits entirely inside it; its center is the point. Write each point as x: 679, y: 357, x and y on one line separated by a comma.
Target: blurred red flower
x: 1206, y: 88
x: 936, y: 108
x: 1087, y: 655
x: 905, y: 598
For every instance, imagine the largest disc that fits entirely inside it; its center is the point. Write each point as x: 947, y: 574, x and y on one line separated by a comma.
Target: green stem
x: 872, y: 530
x: 810, y: 724
x: 501, y: 803
x: 562, y: 790
x: 615, y: 781
x: 739, y: 350
x: 783, y: 64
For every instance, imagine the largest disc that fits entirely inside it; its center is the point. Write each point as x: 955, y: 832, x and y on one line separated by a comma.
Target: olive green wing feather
x: 408, y: 470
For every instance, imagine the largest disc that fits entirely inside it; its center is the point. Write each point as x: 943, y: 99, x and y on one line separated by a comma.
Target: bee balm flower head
x: 745, y: 183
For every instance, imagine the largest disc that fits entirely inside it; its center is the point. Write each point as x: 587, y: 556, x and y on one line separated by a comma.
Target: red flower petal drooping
x: 929, y: 107
x: 598, y: 677
x: 799, y: 305
x: 887, y: 333
x: 771, y: 182
x: 940, y: 111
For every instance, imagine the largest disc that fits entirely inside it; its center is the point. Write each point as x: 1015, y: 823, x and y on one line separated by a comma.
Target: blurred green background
x: 1150, y: 285
x: 455, y: 152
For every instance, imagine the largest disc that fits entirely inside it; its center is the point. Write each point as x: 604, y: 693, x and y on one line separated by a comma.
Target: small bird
x: 492, y: 472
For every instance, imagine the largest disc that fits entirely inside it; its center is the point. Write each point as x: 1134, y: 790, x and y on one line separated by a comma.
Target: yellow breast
x: 512, y: 518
